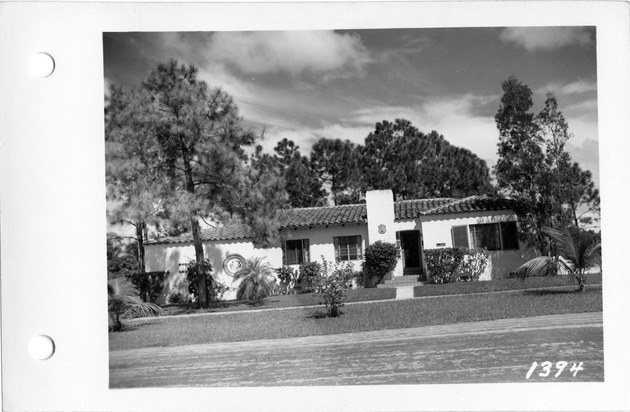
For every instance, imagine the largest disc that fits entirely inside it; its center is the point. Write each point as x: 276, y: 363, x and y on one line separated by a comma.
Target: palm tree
x: 578, y: 250
x: 257, y: 280
x: 126, y: 306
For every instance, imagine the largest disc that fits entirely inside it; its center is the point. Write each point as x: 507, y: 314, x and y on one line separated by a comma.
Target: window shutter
x: 509, y: 234
x: 284, y: 253
x: 306, y: 250
x: 491, y: 236
x: 336, y: 245
x: 460, y: 236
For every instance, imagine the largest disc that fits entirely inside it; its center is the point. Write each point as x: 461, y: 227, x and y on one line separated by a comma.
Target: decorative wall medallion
x: 233, y: 263
x: 382, y: 229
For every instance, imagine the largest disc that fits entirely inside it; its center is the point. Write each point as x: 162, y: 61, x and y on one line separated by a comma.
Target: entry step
x: 397, y: 281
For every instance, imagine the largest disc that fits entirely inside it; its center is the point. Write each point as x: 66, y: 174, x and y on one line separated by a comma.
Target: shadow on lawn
x: 545, y: 292
x: 320, y: 315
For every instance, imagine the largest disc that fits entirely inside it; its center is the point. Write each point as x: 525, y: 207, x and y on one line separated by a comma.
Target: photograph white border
x: 52, y: 202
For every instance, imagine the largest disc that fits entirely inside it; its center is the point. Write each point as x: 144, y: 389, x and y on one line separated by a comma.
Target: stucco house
x: 341, y: 233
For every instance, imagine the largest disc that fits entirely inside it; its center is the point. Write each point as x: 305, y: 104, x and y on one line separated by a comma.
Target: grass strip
x: 286, y: 301
x: 498, y: 285
x: 391, y: 314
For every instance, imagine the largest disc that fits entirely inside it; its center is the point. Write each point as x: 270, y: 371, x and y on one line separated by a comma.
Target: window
x: 347, y: 248
x: 491, y: 236
x: 460, y: 236
x: 296, y: 252
x: 485, y: 236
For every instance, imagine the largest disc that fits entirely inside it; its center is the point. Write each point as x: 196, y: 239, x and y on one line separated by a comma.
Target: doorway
x: 411, y: 247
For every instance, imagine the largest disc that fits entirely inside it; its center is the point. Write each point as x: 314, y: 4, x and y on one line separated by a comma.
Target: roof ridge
x: 322, y: 207
x: 426, y: 199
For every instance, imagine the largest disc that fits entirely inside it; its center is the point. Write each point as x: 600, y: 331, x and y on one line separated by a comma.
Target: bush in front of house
x: 332, y: 284
x: 149, y: 285
x: 473, y: 264
x: 287, y: 280
x: 308, y: 273
x: 125, y: 306
x: 178, y: 293
x: 448, y: 265
x: 443, y: 264
x: 214, y: 288
x: 380, y: 259
x: 257, y: 280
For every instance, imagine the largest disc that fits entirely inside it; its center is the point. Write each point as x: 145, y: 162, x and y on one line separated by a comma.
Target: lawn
x: 273, y: 302
x: 389, y: 314
x: 361, y: 295
x: 500, y: 285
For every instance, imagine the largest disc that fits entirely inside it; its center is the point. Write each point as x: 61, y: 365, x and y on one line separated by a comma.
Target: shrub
x: 124, y: 306
x: 578, y: 250
x: 308, y: 274
x: 442, y: 264
x: 380, y: 259
x: 473, y: 264
x: 179, y: 293
x: 455, y: 264
x: 288, y: 278
x: 149, y: 285
x: 332, y: 283
x: 214, y: 288
x: 257, y: 280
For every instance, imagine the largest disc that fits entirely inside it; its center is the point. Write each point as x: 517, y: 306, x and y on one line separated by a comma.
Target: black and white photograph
x: 349, y: 207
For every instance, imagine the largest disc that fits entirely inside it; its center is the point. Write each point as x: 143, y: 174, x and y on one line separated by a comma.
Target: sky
x: 304, y: 85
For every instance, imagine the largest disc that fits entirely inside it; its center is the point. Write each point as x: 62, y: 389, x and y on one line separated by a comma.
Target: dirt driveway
x: 480, y: 352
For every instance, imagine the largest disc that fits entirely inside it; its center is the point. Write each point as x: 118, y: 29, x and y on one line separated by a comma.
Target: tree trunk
x: 194, y: 226
x: 581, y: 284
x: 201, y: 269
x: 140, y: 243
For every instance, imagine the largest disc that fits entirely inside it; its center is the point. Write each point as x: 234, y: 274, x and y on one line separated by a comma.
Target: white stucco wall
x: 321, y: 240
x: 437, y: 231
x: 169, y: 256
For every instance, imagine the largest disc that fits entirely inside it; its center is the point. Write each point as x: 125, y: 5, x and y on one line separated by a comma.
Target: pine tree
x: 200, y: 140
x: 337, y: 163
x: 133, y: 183
x: 302, y: 184
x: 412, y: 164
x: 534, y: 167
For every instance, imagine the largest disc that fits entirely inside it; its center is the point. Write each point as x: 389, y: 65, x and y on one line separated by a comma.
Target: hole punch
x: 41, y: 347
x: 41, y: 65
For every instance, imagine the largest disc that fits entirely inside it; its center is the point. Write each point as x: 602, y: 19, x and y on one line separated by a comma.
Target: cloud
x: 107, y: 85
x: 576, y: 87
x: 292, y: 52
x: 305, y: 137
x: 454, y: 117
x: 547, y: 38
x: 587, y: 155
x: 584, y: 106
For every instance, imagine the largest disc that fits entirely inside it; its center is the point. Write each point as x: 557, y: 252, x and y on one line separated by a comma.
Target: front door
x: 411, y: 246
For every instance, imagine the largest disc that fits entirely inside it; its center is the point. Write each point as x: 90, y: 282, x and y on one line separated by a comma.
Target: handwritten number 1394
x: 546, y: 369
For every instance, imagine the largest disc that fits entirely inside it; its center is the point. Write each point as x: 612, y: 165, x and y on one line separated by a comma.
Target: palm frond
x: 539, y: 266
x: 256, y: 279
x: 136, y: 308
x: 579, y: 248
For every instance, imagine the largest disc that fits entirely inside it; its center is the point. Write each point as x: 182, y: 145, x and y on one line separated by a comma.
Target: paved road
x: 484, y: 352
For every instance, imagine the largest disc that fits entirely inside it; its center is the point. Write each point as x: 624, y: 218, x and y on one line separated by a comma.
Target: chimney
x: 380, y: 216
